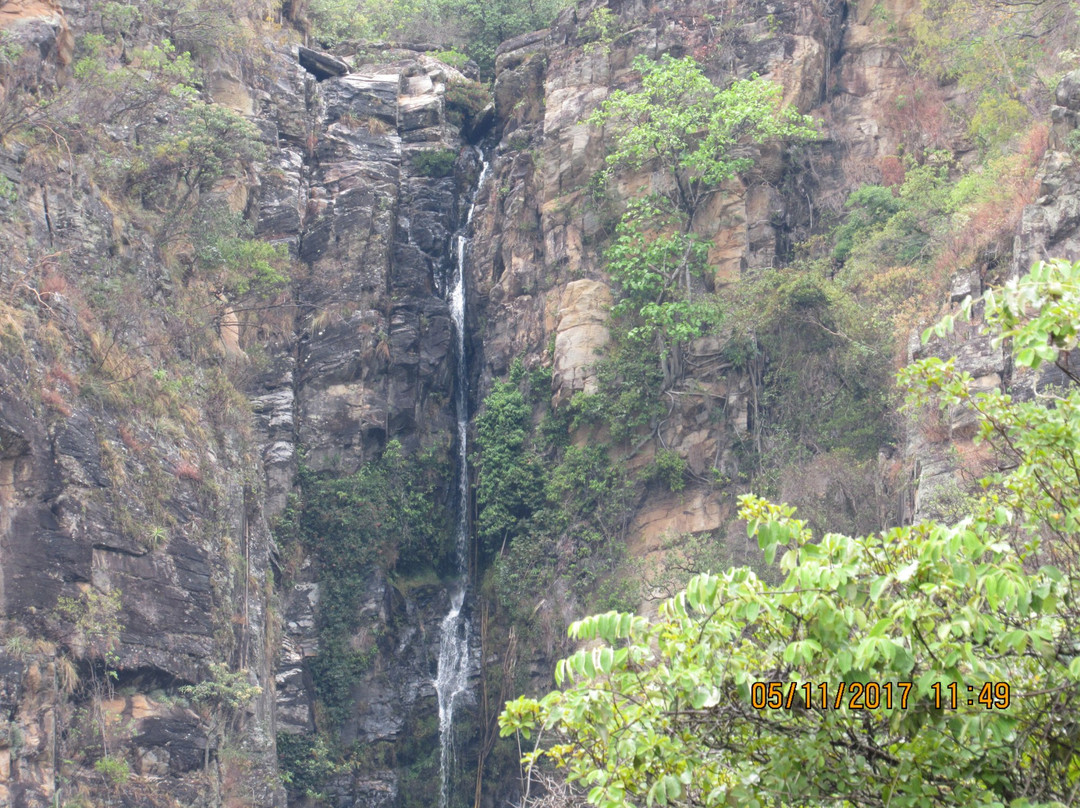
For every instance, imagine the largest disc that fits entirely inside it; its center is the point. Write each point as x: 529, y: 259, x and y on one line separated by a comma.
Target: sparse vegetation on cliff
x: 181, y: 227
x: 385, y: 516
x: 471, y: 27
x: 548, y: 514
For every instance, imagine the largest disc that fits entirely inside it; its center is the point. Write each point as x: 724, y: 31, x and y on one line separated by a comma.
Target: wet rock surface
x: 370, y: 206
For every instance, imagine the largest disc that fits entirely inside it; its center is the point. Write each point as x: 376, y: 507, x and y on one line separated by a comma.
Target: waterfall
x: 452, y: 678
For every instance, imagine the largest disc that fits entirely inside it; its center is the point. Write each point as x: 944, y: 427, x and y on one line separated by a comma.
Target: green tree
x: 487, y: 24
x: 477, y: 28
x: 234, y: 262
x: 699, y: 136
x: 220, y: 698
x: 652, y: 254
x: 208, y: 143
x: 811, y: 340
x: 698, y: 133
x: 1007, y: 55
x: 957, y: 646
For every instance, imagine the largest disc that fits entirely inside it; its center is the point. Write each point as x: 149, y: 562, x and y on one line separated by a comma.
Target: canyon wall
x: 136, y: 502
x: 542, y: 292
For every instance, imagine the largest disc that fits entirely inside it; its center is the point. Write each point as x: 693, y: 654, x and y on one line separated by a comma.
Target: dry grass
x: 931, y: 424
x: 127, y: 437
x: 892, y: 170
x: 111, y: 359
x: 988, y: 227
x: 53, y: 283
x: 186, y: 470
x: 327, y: 315
x: 113, y: 463
x: 55, y: 401
x: 916, y: 109
x: 548, y: 790
x: 67, y: 675
x: 975, y: 460
x: 978, y: 234
x: 12, y: 322
x: 59, y: 375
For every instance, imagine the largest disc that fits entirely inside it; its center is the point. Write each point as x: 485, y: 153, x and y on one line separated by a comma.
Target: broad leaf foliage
x: 661, y: 712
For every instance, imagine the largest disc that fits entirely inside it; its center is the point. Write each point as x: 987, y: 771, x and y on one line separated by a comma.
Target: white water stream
x: 452, y: 679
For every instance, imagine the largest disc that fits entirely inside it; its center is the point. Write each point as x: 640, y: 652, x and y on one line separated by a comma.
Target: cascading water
x: 452, y: 678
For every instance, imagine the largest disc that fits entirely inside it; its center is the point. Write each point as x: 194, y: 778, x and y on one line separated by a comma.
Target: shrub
x: 9, y: 192
x: 114, y: 769
x: 434, y: 162
x: 464, y: 101
x: 509, y: 480
x: 454, y: 58
x: 1072, y: 141
x: 230, y: 258
x: 489, y: 23
x: 335, y: 20
x: 388, y: 514
x: 669, y: 468
x: 306, y: 763
x: 186, y: 470
x: 819, y: 345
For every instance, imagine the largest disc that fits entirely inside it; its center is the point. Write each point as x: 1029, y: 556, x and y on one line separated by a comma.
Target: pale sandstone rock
x: 41, y: 23
x: 724, y: 217
x: 581, y: 333
x: 802, y: 75
x: 690, y: 511
x: 229, y: 334
x: 142, y: 707
x: 229, y: 90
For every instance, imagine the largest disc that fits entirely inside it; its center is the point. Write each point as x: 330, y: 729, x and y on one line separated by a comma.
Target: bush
x: 628, y: 397
x: 509, y: 479
x: 464, y: 101
x: 819, y: 345
x: 669, y: 468
x: 454, y: 58
x: 871, y: 207
x: 487, y: 24
x: 333, y: 21
x: 233, y: 261
x: 553, y: 515
x: 114, y: 769
x: 306, y: 763
x: 434, y: 162
x: 1072, y: 141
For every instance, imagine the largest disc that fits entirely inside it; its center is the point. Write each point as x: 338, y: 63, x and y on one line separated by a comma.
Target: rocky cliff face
x: 369, y: 195
x: 943, y: 456
x: 135, y: 502
x: 540, y: 286
x: 134, y: 545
